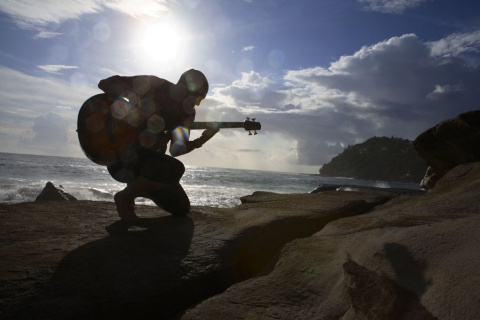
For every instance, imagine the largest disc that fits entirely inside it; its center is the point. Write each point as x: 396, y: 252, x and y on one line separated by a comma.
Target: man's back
x: 152, y: 96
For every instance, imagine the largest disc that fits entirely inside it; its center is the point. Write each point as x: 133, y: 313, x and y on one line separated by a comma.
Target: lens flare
x: 147, y: 107
x: 101, y: 31
x: 180, y: 135
x: 147, y: 138
x: 119, y: 109
x: 134, y: 118
x: 179, y: 138
x: 156, y: 124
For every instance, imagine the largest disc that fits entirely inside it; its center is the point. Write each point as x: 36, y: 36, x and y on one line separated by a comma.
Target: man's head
x: 195, y: 82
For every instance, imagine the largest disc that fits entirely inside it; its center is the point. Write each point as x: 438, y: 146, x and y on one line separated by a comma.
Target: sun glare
x: 162, y: 42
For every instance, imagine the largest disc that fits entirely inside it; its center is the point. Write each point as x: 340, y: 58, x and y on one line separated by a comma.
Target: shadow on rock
x: 132, y: 275
x: 375, y: 297
x: 407, y: 270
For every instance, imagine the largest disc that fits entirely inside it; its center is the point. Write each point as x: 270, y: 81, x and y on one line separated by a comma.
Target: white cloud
x: 392, y: 6
x: 252, y: 92
x: 396, y: 87
x: 148, y: 8
x: 33, y: 14
x: 31, y: 105
x: 248, y: 48
x: 42, y: 34
x: 50, y: 134
x: 465, y: 45
x: 390, y: 79
x: 55, y: 68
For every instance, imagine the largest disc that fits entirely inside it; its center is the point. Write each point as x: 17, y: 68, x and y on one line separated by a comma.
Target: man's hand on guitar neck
x: 206, y: 135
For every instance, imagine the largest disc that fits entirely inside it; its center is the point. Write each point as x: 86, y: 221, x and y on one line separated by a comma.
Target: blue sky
x: 319, y: 75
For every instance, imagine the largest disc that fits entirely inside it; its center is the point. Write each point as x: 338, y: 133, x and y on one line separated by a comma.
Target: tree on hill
x: 378, y: 158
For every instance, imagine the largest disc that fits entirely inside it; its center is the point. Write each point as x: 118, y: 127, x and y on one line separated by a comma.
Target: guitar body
x: 108, y: 131
x: 104, y: 138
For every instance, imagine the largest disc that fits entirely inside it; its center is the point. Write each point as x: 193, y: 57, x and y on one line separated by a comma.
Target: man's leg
x: 171, y: 198
x: 125, y: 199
x: 158, y: 180
x: 168, y: 170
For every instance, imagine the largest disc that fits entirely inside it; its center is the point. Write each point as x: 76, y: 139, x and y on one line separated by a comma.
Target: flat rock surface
x: 58, y: 261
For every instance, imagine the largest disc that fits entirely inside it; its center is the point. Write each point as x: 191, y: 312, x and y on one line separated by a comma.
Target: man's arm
x: 179, y: 147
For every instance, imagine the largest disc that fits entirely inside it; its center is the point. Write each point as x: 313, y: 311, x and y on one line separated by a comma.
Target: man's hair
x: 195, y: 82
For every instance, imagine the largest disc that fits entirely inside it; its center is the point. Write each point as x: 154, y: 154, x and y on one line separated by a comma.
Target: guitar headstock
x: 250, y: 125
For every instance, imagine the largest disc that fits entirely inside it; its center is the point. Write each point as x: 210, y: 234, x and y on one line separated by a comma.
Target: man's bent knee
x: 172, y: 199
x: 180, y: 211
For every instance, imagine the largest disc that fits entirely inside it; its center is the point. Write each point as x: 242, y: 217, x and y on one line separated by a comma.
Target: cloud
x: 32, y: 14
x: 465, y: 45
x: 31, y: 104
x: 252, y: 93
x: 138, y: 9
x: 55, y: 68
x: 248, y: 48
x: 50, y: 132
x: 391, y: 80
x: 397, y: 87
x: 392, y: 6
x: 46, y: 34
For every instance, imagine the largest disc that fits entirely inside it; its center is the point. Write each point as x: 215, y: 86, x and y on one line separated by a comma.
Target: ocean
x: 23, y: 177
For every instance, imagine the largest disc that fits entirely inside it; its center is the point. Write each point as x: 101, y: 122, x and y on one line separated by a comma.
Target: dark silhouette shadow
x: 376, y: 297
x: 135, y: 274
x: 407, y: 270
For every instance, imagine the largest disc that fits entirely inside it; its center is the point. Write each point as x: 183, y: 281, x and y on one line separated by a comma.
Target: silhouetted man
x: 164, y: 112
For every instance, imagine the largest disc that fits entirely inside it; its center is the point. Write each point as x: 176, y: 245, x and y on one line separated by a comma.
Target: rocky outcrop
x: 52, y: 193
x: 448, y: 144
x: 333, y: 255
x: 412, y: 258
x: 397, y: 191
x: 378, y: 158
x: 162, y: 265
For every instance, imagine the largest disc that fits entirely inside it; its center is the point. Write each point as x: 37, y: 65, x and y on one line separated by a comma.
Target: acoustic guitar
x: 108, y: 131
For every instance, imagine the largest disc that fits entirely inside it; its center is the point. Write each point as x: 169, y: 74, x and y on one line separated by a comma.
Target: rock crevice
x: 162, y: 265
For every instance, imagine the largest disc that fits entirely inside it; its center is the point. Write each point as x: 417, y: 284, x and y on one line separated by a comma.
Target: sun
x: 162, y: 42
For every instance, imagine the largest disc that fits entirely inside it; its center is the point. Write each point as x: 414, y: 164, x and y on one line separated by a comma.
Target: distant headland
x: 378, y: 158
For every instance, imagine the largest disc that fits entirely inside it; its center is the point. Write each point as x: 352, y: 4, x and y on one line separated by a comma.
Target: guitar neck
x: 220, y: 125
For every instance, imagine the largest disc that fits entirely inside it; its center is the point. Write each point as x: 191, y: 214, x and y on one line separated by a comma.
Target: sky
x: 318, y: 75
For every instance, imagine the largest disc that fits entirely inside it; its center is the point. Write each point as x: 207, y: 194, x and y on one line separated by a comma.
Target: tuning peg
x: 255, y: 132
x: 247, y: 119
x: 253, y: 119
x: 249, y: 132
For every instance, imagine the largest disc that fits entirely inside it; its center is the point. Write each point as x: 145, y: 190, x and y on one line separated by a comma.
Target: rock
x: 378, y: 158
x: 448, y: 144
x: 332, y: 255
x: 161, y: 266
x: 52, y: 193
x: 384, y: 191
x: 430, y: 179
x: 324, y: 187
x: 414, y: 257
x: 373, y: 296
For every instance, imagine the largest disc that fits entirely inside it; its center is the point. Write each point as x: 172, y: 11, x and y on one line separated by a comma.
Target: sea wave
x: 23, y: 177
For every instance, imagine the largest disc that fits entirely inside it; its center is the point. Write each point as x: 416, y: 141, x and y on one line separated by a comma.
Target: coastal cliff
x: 378, y: 158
